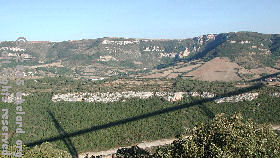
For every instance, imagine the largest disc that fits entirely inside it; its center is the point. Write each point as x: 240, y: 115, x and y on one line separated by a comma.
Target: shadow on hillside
x: 210, y: 46
x: 65, y: 136
x: 265, y: 77
x: 67, y: 141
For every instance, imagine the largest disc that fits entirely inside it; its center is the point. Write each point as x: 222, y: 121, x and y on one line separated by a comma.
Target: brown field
x: 162, y: 74
x: 187, y: 68
x: 173, y: 75
x: 172, y: 72
x: 217, y: 69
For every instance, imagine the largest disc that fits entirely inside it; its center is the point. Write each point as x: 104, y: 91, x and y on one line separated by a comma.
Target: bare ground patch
x: 217, y: 69
x: 171, y: 72
x: 187, y: 68
x: 267, y: 70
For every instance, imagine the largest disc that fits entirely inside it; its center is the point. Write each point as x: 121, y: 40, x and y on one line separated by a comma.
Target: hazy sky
x: 58, y: 20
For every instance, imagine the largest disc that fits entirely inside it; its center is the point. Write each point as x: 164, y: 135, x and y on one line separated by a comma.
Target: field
x: 218, y: 69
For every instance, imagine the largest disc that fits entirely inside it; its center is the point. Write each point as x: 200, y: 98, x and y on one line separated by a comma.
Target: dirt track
x: 143, y: 145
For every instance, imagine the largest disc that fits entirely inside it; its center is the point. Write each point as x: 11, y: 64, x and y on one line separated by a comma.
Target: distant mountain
x: 247, y: 49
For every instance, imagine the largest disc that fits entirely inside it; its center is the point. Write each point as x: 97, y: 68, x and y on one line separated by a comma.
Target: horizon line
x: 116, y: 37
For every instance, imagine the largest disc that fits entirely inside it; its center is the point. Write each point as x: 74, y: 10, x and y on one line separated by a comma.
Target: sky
x: 59, y: 20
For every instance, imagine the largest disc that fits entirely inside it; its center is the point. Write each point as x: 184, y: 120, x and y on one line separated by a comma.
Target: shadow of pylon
x: 147, y: 115
x: 67, y: 141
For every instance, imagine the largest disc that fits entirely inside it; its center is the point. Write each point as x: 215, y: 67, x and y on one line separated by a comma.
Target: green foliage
x: 45, y: 150
x: 166, y: 62
x: 81, y: 115
x: 216, y: 87
x: 75, y: 116
x: 133, y: 151
x: 249, y: 55
x: 275, y: 47
x: 225, y: 137
x: 127, y: 64
x: 208, y: 51
x: 56, y: 70
x: 173, y: 46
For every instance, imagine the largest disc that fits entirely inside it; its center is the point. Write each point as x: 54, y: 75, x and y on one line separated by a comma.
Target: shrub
x: 134, y: 151
x: 45, y: 150
x: 225, y: 137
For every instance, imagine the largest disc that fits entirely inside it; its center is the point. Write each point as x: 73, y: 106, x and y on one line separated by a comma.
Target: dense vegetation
x: 222, y: 137
x: 154, y: 124
x: 217, y: 87
x: 45, y: 150
x: 260, y: 51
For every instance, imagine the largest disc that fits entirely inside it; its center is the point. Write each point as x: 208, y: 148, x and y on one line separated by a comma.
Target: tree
x: 45, y: 150
x: 226, y: 137
x: 134, y: 151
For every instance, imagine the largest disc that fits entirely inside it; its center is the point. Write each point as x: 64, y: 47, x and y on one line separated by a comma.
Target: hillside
x: 98, y: 94
x: 107, y: 57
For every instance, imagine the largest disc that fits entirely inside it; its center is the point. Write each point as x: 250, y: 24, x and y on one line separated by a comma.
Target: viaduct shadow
x: 66, y: 136
x: 67, y: 141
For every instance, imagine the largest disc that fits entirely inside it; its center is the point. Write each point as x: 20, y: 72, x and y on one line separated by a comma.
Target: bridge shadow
x: 65, y: 136
x: 67, y: 141
x: 265, y: 77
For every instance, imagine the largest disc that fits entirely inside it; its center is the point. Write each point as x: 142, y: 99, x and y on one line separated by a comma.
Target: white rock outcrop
x: 238, y: 98
x: 170, y: 96
x: 116, y: 96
